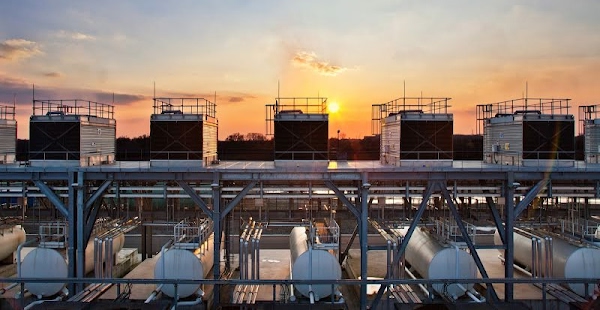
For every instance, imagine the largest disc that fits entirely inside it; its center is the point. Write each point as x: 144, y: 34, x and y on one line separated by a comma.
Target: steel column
x: 508, y: 235
x: 363, y: 239
x: 80, y: 228
x: 72, y: 228
x: 216, y: 193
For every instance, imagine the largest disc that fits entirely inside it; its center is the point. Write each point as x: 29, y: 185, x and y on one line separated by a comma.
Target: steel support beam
x: 72, y: 229
x: 47, y: 191
x: 216, y: 193
x: 80, y: 228
x: 343, y: 199
x: 237, y: 199
x: 496, y: 217
x: 533, y: 192
x: 508, y: 235
x: 196, y: 199
x: 465, y: 234
x: 363, y: 239
x: 98, y: 193
x: 404, y: 244
x: 345, y: 253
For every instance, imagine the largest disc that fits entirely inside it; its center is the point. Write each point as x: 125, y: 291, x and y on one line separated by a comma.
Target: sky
x: 356, y: 53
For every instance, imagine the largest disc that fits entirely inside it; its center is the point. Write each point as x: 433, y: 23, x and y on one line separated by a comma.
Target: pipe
x: 519, y: 268
x: 64, y: 294
x: 311, y: 295
x: 534, y: 257
x: 4, y: 289
x: 423, y: 288
x: 197, y: 301
x: 19, y: 248
x: 154, y: 294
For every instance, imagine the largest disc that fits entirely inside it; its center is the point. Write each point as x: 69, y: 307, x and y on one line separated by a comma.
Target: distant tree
x: 255, y: 136
x: 235, y: 137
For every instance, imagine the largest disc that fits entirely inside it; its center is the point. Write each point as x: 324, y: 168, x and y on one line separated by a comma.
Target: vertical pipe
x: 550, y: 246
x: 389, y: 260
x: 540, y: 258
x: 534, y: 257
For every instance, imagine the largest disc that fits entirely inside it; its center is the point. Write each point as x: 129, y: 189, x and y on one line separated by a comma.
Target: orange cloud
x: 310, y: 60
x: 15, y: 49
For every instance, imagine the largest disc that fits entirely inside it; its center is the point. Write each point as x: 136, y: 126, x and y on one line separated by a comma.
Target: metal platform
x: 218, y: 189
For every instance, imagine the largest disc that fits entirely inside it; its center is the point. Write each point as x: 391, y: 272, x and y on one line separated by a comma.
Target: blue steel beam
x: 79, y: 221
x: 509, y: 235
x: 98, y: 193
x: 47, y: 191
x: 72, y: 229
x: 343, y: 199
x: 364, y: 197
x: 237, y: 199
x: 533, y: 192
x: 196, y: 199
x: 496, y: 217
x: 465, y: 234
x: 216, y: 193
x: 404, y: 244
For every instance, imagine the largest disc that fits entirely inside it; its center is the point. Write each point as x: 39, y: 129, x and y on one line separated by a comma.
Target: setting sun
x: 333, y: 107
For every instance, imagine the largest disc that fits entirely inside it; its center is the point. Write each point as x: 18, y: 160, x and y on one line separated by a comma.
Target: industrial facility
x: 183, y: 131
x: 519, y: 229
x: 8, y: 134
x: 75, y: 133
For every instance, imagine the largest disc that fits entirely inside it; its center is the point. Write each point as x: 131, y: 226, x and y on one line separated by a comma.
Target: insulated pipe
x: 197, y: 301
x: 19, y: 248
x: 64, y: 294
x: 154, y: 294
x: 421, y: 286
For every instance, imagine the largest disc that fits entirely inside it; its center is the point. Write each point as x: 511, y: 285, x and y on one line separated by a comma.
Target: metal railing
x: 196, y: 106
x: 7, y: 112
x: 61, y: 107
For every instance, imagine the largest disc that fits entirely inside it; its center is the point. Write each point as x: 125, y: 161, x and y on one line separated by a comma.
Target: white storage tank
x: 312, y: 264
x: 10, y: 238
x: 568, y: 260
x: 44, y: 263
x: 433, y: 260
x: 186, y: 265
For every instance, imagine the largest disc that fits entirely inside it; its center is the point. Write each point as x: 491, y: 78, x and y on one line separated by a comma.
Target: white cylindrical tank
x: 118, y: 243
x: 432, y: 260
x: 44, y: 263
x: 10, y: 238
x: 324, y: 265
x: 184, y: 264
x: 568, y: 260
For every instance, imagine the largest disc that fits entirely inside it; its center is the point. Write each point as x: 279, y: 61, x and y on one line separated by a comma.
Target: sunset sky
x: 356, y: 53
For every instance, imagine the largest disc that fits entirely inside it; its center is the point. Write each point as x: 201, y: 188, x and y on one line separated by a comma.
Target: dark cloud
x: 236, y: 99
x: 310, y: 60
x: 106, y: 97
x: 15, y: 49
x: 23, y: 91
x: 223, y: 97
x: 53, y: 74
